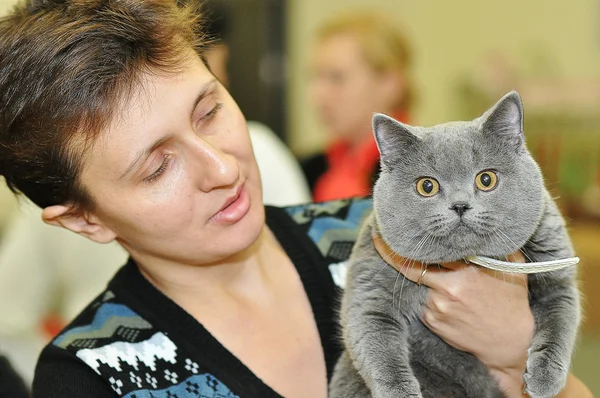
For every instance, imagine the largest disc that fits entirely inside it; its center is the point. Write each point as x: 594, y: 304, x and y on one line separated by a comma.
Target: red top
x: 349, y: 168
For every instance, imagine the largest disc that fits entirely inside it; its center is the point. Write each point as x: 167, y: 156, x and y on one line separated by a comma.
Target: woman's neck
x: 363, y: 133
x: 353, y: 140
x: 239, y: 277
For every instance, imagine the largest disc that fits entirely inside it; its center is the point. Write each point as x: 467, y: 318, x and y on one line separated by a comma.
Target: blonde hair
x: 382, y: 43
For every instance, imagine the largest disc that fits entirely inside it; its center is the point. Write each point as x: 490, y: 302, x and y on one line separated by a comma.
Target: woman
x: 361, y: 65
x: 49, y: 261
x: 113, y: 125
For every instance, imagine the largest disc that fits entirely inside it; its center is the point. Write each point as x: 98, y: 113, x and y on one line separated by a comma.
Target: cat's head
x: 457, y: 189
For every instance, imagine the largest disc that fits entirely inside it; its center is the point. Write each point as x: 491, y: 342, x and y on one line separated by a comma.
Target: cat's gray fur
x: 388, y: 351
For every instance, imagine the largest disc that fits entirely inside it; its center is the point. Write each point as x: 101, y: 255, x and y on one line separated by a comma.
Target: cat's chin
x: 441, y: 255
x: 459, y: 247
x: 455, y: 244
x: 451, y: 255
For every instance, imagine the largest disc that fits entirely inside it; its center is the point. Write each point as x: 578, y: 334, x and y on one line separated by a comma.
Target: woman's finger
x: 440, y: 327
x: 455, y: 265
x: 438, y: 304
x: 422, y: 274
x: 428, y: 318
x: 414, y: 271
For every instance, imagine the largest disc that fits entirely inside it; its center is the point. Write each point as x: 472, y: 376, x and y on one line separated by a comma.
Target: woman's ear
x: 84, y: 224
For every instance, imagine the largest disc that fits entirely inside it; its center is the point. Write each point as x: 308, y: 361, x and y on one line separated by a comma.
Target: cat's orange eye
x: 427, y: 186
x: 486, y: 180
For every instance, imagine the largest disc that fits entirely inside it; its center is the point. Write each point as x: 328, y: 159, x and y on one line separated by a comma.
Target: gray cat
x: 444, y: 193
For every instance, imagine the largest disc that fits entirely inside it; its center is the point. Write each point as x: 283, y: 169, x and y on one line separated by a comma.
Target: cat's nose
x: 460, y: 208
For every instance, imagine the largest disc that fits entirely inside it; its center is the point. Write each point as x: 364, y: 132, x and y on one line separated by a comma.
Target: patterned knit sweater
x: 133, y: 341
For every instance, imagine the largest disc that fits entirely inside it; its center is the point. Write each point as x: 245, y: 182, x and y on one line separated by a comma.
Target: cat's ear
x: 504, y: 121
x: 394, y: 139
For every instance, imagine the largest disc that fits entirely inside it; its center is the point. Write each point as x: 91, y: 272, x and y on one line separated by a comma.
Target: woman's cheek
x: 174, y: 184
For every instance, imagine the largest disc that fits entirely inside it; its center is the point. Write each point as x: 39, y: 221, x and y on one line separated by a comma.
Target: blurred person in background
x: 53, y: 274
x: 361, y: 65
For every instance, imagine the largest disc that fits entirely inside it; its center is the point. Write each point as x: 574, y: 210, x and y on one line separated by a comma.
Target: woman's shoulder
x: 60, y: 374
x: 330, y: 228
x: 95, y: 350
x: 77, y: 362
x: 352, y: 210
x: 113, y: 349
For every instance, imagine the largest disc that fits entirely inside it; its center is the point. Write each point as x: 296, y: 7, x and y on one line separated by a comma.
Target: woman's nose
x: 215, y: 167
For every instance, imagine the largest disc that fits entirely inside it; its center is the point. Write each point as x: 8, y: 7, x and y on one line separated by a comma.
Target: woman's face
x: 346, y: 91
x: 174, y: 177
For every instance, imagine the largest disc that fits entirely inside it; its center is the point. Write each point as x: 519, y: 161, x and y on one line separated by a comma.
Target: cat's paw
x: 544, y: 377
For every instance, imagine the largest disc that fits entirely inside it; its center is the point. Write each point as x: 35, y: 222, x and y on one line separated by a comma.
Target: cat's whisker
x: 421, y: 243
x: 500, y: 237
x: 425, y: 242
x: 525, y: 282
x: 404, y: 277
x: 405, y: 266
x: 543, y: 279
x: 394, y: 292
x: 411, y: 264
x: 490, y: 237
x: 439, y: 216
x: 512, y: 274
x: 408, y: 264
x: 508, y: 246
x: 532, y: 246
x: 377, y: 273
x: 520, y: 249
x: 393, y: 257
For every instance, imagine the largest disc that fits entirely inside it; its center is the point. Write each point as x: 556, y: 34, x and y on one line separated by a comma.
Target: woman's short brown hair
x: 65, y: 67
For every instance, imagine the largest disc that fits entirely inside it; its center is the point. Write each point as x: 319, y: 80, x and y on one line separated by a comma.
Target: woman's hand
x: 486, y: 313
x: 483, y: 312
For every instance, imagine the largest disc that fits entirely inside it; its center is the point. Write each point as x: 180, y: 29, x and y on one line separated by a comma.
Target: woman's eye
x: 486, y: 180
x: 428, y: 187
x: 159, y: 172
x: 212, y: 112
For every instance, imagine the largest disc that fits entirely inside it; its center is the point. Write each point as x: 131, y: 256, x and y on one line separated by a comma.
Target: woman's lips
x: 234, y: 208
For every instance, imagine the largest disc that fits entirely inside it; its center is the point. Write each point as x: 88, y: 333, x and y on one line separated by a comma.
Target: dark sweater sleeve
x: 11, y: 385
x: 60, y: 374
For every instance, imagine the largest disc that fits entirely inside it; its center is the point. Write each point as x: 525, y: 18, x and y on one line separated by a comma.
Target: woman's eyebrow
x: 205, y: 90
x: 144, y: 153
